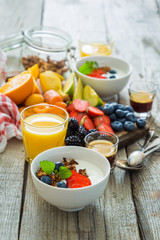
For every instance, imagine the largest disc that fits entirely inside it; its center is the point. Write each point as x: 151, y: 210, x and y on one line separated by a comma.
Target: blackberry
x: 73, y: 124
x: 73, y: 140
x: 70, y: 132
x: 92, y: 130
x: 82, y: 132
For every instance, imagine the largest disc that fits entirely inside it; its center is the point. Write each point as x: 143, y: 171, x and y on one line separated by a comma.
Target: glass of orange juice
x: 95, y: 43
x: 44, y: 126
x: 141, y: 96
x: 105, y: 143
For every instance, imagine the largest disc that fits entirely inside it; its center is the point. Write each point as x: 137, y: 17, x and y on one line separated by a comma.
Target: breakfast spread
x: 69, y: 173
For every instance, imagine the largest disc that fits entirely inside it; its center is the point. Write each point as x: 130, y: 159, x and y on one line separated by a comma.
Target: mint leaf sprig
x: 48, y: 167
x: 64, y: 172
x: 88, y: 67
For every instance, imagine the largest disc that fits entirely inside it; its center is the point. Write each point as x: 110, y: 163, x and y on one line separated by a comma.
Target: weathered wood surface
x: 130, y: 206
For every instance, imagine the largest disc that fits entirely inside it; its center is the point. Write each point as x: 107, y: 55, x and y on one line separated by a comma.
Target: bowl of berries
x: 70, y: 177
x: 105, y: 74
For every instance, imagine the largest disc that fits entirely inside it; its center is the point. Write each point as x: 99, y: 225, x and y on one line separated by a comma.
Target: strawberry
x: 94, y: 112
x: 73, y: 114
x: 76, y: 180
x: 87, y: 123
x: 77, y: 115
x: 105, y: 127
x: 80, y: 105
x: 70, y: 108
x: 101, y: 119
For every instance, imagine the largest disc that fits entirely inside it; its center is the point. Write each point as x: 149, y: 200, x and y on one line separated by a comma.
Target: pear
x: 91, y: 96
x: 49, y: 81
x: 78, y: 94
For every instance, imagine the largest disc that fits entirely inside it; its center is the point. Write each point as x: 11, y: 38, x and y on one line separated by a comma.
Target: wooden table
x: 130, y: 206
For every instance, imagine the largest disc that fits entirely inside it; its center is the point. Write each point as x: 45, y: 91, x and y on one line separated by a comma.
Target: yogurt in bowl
x: 73, y: 199
x: 110, y: 86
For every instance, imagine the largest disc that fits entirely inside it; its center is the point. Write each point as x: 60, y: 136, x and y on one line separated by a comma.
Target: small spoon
x: 137, y: 157
x: 155, y: 145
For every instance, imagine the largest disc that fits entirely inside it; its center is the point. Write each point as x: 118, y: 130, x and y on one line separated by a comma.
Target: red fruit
x: 77, y: 115
x: 73, y: 114
x: 87, y: 123
x: 76, y: 180
x: 80, y: 105
x: 94, y: 112
x: 70, y: 108
x: 105, y: 127
x: 102, y: 119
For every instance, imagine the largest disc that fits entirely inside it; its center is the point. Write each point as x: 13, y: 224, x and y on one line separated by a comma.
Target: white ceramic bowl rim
x: 100, y: 79
x: 72, y: 189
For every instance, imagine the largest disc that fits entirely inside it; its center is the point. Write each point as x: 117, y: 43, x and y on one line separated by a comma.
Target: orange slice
x: 18, y: 88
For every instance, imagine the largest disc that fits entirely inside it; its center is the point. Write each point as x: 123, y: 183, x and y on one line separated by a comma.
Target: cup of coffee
x: 105, y: 143
x: 141, y: 96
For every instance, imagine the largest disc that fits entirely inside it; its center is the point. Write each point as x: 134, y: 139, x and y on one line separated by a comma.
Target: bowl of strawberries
x: 70, y: 177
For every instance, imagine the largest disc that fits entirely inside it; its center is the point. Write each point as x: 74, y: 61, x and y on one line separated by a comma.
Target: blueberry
x: 119, y: 106
x: 58, y: 165
x: 129, y: 126
x: 117, y: 126
x: 61, y: 184
x: 112, y: 71
x: 126, y: 111
x: 120, y: 113
x: 122, y: 120
x: 46, y: 179
x: 131, y: 117
x: 128, y: 108
x: 108, y: 109
x: 112, y: 76
x: 100, y: 107
x: 112, y: 117
x: 141, y: 123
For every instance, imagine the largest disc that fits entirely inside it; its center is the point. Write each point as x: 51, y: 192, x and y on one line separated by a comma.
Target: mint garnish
x: 88, y: 67
x: 47, y: 166
x: 64, y: 172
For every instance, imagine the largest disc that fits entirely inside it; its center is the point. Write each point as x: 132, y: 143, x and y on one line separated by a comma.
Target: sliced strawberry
x: 76, y: 180
x: 105, y: 127
x: 77, y: 115
x: 87, y: 123
x: 94, y: 112
x: 101, y: 119
x: 73, y: 114
x: 80, y: 105
x: 70, y: 108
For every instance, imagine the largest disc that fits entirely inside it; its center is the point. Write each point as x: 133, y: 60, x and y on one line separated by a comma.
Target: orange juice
x: 41, y: 132
x: 90, y: 49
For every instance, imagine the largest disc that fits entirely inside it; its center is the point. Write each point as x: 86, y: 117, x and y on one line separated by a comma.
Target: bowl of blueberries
x: 105, y: 74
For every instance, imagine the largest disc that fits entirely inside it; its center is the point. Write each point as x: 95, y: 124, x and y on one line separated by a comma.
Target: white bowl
x: 70, y: 199
x: 105, y: 87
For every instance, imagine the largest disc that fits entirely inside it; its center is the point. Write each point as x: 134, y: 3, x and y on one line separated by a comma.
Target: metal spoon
x: 123, y: 163
x: 136, y: 158
x: 141, y: 155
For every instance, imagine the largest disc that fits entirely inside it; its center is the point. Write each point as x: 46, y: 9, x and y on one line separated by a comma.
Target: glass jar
x: 47, y: 43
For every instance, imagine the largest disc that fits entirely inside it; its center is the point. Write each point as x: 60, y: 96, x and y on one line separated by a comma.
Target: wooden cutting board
x: 127, y: 138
